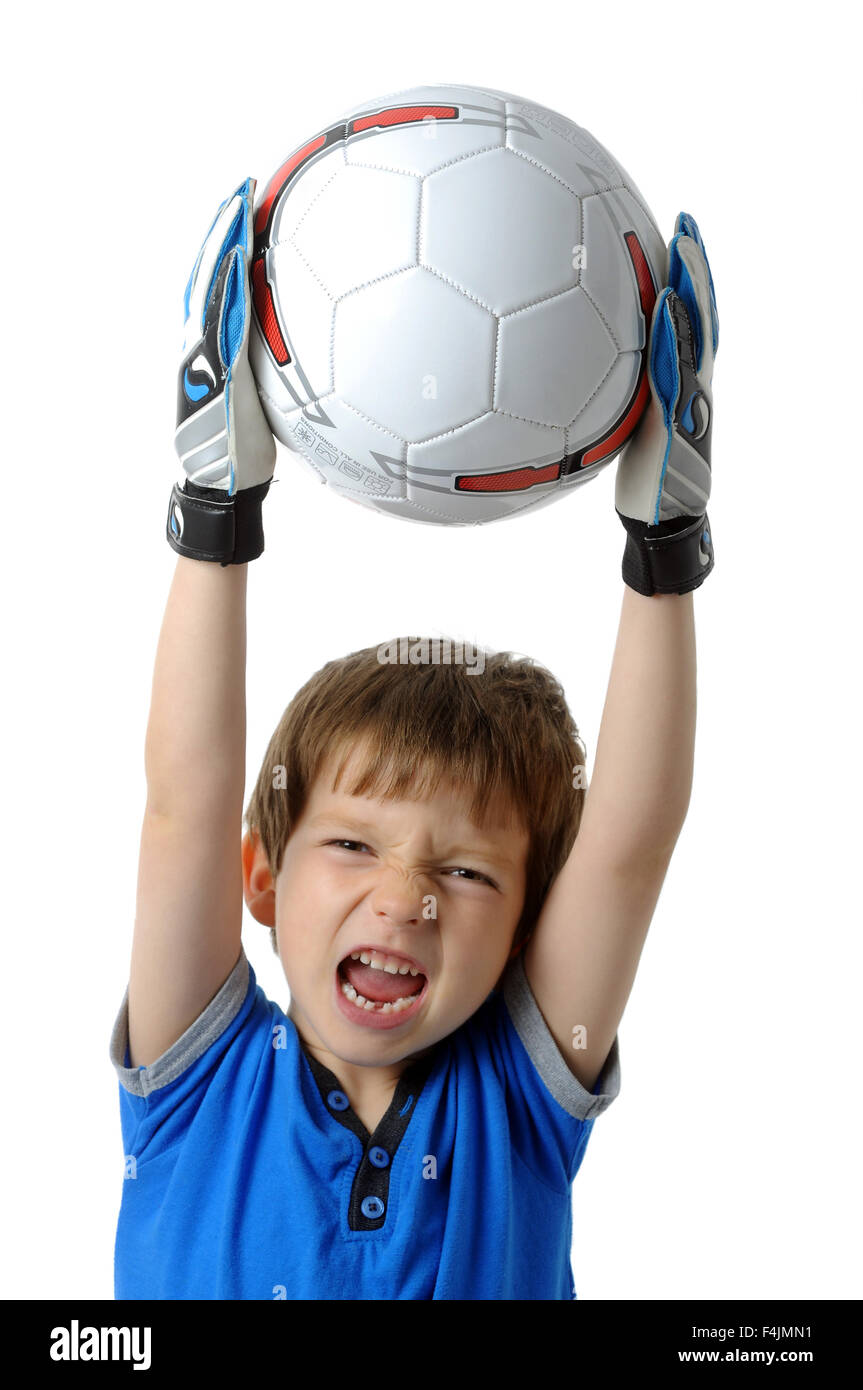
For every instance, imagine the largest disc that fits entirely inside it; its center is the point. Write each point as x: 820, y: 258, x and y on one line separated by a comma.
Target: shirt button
x: 372, y: 1206
x: 379, y: 1157
x: 337, y: 1100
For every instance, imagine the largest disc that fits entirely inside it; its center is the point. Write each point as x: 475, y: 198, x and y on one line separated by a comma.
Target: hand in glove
x: 663, y: 475
x: 222, y: 438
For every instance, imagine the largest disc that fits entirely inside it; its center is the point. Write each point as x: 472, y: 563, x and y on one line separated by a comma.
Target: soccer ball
x: 452, y: 293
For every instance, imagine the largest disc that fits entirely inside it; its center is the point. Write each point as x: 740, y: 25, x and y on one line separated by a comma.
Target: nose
x: 399, y: 896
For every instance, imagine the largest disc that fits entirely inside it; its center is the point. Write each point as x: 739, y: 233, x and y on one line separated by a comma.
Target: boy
x: 459, y: 924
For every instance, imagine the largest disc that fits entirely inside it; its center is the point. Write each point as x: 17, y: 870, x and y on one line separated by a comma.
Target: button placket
x: 369, y: 1199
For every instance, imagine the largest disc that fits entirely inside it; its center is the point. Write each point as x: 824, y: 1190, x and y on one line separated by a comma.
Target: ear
x: 259, y: 889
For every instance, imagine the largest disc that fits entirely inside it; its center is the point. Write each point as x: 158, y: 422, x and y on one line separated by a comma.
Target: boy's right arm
x: 190, y: 899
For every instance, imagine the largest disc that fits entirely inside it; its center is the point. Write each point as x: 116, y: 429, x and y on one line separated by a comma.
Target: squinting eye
x: 476, y: 876
x: 348, y: 842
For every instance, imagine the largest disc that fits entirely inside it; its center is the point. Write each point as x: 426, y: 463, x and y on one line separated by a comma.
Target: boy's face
x: 411, y: 882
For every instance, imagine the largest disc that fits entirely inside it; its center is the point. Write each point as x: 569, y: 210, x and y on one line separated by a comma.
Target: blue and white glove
x: 224, y: 443
x: 663, y: 475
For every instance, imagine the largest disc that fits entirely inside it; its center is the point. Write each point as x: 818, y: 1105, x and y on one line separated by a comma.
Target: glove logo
x: 704, y: 556
x: 201, y: 367
x: 696, y: 416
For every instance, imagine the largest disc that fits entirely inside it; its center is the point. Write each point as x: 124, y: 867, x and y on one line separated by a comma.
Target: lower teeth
x: 376, y: 1006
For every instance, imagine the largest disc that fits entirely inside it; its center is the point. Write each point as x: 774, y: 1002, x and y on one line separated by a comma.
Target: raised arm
x: 190, y: 897
x: 582, y: 958
x: 190, y: 894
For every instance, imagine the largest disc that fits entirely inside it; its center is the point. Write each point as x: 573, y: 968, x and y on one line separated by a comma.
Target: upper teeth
x: 390, y: 964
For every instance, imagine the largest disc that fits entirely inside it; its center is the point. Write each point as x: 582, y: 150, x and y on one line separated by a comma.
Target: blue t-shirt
x: 249, y: 1175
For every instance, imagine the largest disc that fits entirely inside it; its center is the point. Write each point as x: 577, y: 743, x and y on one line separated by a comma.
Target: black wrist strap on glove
x: 205, y: 524
x: 673, y: 557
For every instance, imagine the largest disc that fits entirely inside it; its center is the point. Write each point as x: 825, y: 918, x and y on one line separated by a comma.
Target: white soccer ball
x: 452, y: 294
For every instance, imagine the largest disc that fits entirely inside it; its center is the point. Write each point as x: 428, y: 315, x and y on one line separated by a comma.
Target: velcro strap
x: 671, y: 558
x: 206, y: 524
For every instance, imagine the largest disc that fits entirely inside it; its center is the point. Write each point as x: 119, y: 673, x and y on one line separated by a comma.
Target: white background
x: 729, y: 1165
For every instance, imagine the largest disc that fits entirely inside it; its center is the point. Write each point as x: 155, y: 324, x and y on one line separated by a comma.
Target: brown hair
x: 502, y: 729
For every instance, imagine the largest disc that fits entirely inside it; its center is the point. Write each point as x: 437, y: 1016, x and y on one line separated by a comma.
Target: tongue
x: 377, y: 985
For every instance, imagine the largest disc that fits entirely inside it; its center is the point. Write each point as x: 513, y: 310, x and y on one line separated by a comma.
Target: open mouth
x: 387, y: 990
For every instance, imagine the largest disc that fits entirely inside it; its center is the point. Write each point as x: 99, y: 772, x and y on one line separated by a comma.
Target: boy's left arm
x: 581, y: 960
